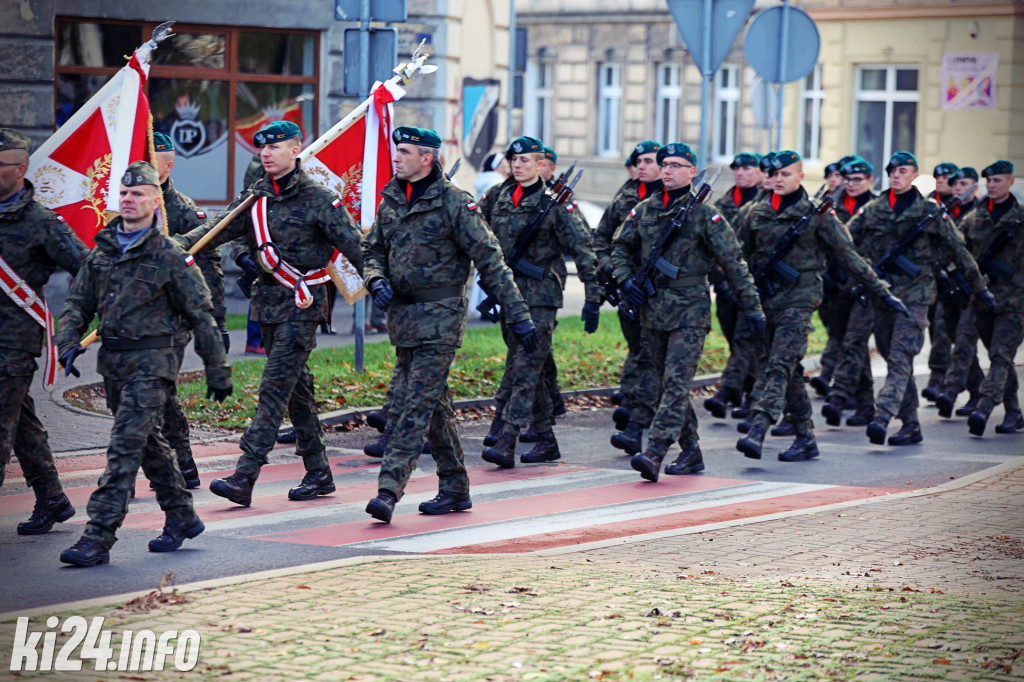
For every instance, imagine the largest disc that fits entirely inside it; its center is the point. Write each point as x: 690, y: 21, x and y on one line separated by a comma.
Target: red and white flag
x: 78, y: 170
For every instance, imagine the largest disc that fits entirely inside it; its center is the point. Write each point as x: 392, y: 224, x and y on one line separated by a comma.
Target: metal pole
x: 705, y: 88
x: 783, y: 49
x: 511, y: 68
x: 364, y: 91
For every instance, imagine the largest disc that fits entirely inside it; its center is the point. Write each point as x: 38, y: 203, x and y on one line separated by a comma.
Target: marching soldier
x: 291, y: 231
x: 417, y: 261
x: 890, y: 219
x: 147, y: 294
x: 34, y: 241
x: 943, y: 174
x: 789, y: 310
x: 677, y: 316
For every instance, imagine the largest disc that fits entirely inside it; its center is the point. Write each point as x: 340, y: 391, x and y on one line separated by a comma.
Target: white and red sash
x: 23, y: 296
x: 271, y: 261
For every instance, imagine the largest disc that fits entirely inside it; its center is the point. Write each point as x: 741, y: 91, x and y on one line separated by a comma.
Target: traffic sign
x: 383, y: 57
x: 764, y: 101
x: 762, y: 46
x: 727, y: 20
x: 380, y: 10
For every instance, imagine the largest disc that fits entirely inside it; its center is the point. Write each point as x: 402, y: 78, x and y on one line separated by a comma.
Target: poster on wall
x: 969, y: 80
x: 479, y: 118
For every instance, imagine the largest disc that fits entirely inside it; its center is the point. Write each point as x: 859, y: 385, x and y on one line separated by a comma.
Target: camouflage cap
x: 278, y: 131
x: 857, y: 165
x: 1000, y: 167
x: 745, y: 159
x: 163, y: 143
x: 140, y: 173
x: 12, y: 139
x: 766, y: 162
x: 680, y: 149
x: 421, y: 137
x: 900, y: 159
x: 524, y: 145
x: 965, y: 172
x: 945, y: 168
x: 784, y: 158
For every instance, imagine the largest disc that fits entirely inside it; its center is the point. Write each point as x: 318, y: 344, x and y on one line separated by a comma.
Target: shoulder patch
x: 61, y: 218
x: 201, y: 215
x: 471, y: 206
x: 860, y: 211
x: 336, y: 203
x: 632, y: 212
x: 571, y: 207
x: 715, y: 218
x: 833, y: 211
x: 189, y: 260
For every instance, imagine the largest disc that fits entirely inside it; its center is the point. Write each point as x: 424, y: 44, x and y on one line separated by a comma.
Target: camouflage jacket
x: 878, y: 228
x: 34, y: 241
x: 614, y: 215
x: 152, y: 289
x: 704, y: 239
x: 430, y: 245
x: 183, y: 216
x: 306, y: 224
x: 489, y: 199
x: 730, y: 210
x: 764, y: 227
x: 980, y: 231
x: 558, y: 234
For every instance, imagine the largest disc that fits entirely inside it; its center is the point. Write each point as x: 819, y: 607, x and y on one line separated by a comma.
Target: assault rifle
x: 490, y: 307
x: 774, y: 269
x: 654, y: 261
x: 992, y: 266
x: 954, y: 287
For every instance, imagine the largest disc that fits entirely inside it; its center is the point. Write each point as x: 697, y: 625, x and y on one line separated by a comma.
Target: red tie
x: 956, y: 211
x: 408, y: 192
x: 664, y: 200
x: 517, y: 195
x: 776, y: 201
x: 641, y: 191
x: 850, y: 203
x: 737, y: 195
x: 892, y: 199
x: 277, y: 188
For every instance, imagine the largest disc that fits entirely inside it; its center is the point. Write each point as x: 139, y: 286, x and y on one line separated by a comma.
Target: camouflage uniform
x: 306, y: 224
x: 419, y: 249
x: 559, y: 233
x: 898, y: 337
x: 678, y: 317
x: 146, y: 299
x: 34, y: 241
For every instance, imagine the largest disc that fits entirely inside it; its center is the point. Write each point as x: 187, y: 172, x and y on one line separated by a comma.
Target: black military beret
x: 524, y: 145
x: 680, y: 149
x: 965, y: 172
x: 278, y: 131
x: 1000, y: 167
x: 900, y: 159
x: 745, y: 159
x: 421, y: 137
x: 140, y: 173
x: 945, y: 168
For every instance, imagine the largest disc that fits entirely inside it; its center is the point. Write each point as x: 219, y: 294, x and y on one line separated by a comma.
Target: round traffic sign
x: 762, y: 49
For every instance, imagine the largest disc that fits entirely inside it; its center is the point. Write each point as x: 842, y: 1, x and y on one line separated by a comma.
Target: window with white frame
x: 727, y: 97
x: 812, y: 98
x: 537, y: 114
x: 667, y: 95
x: 609, y: 109
x: 886, y: 113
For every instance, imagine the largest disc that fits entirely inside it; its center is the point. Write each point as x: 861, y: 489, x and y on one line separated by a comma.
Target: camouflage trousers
x: 528, y: 401
x: 422, y: 404
x: 745, y: 352
x: 286, y: 383
x: 548, y: 383
x: 940, y: 336
x: 1002, y: 333
x: 176, y: 429
x: 20, y: 428
x: 963, y: 372
x: 899, y: 339
x: 638, y: 369
x: 833, y: 312
x: 136, y: 439
x: 852, y: 373
x: 730, y: 318
x: 675, y: 355
x: 780, y: 386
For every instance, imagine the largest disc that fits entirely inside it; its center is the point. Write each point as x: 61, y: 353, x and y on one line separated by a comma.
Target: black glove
x: 245, y: 285
x: 248, y: 266
x: 896, y: 305
x: 526, y: 334
x: 382, y: 293
x: 758, y: 324
x: 986, y: 297
x: 225, y: 337
x: 591, y: 316
x: 636, y: 295
x: 218, y: 383
x: 67, y: 359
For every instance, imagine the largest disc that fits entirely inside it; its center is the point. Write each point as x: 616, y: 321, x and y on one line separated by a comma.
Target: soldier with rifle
x: 788, y: 236
x: 677, y: 238
x: 907, y: 237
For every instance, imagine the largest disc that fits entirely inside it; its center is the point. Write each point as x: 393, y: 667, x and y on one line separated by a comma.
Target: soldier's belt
x: 428, y: 295
x: 683, y: 282
x: 145, y: 343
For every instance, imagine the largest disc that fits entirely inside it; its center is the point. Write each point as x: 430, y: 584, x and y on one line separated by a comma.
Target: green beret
x: 745, y: 159
x: 163, y: 143
x: 857, y: 165
x: 766, y: 162
x: 965, y: 172
x: 140, y: 173
x: 629, y: 161
x: 12, y: 139
x: 550, y: 155
x: 900, y: 159
x: 645, y: 147
x: 945, y: 168
x: 524, y: 145
x: 278, y: 131
x: 1000, y: 167
x: 680, y: 149
x: 421, y: 137
x: 784, y: 158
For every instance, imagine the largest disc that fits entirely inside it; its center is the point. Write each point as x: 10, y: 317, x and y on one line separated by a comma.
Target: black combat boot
x: 86, y: 552
x: 744, y: 425
x: 618, y: 397
x: 820, y: 385
x: 1012, y: 422
x: 377, y: 446
x: 876, y: 430
x: 47, y: 511
x: 546, y: 450
x: 945, y: 401
x: 648, y: 464
x: 689, y: 461
x: 804, y: 447
x: 316, y: 482
x: 528, y: 436
x: 976, y: 423
x: 446, y: 502
x: 172, y: 536
x: 909, y: 434
x: 630, y: 440
x: 832, y: 411
x: 743, y: 411
x: 236, y: 487
x: 382, y: 506
x: 750, y: 445
x: 287, y: 436
x: 862, y: 417
x: 557, y: 404
x: 969, y: 407
x: 931, y: 391
x: 497, y: 425
x: 190, y: 472
x: 719, y: 402
x: 621, y: 416
x: 783, y: 429
x: 503, y: 452
x: 378, y: 419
